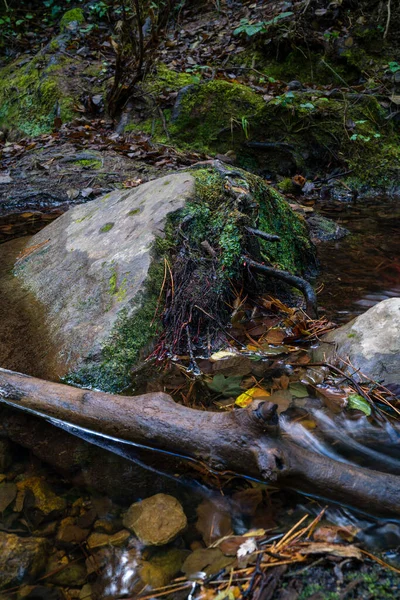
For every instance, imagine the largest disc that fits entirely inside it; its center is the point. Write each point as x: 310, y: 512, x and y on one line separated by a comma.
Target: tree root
x: 294, y: 280
x: 243, y: 442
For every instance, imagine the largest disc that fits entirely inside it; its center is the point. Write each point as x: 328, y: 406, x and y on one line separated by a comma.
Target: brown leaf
x: 275, y: 336
x: 334, y: 549
x: 334, y: 534
x: 213, y: 521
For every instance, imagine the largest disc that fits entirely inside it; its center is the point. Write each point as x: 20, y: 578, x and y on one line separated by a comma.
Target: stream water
x: 356, y: 272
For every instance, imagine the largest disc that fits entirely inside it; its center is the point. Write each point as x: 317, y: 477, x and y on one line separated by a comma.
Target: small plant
x: 100, y: 9
x: 331, y: 35
x: 393, y: 67
x: 252, y: 29
x: 284, y: 100
x: 245, y: 127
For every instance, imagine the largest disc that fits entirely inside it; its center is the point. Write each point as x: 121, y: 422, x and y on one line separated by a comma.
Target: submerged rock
x: 370, y: 342
x: 325, y: 230
x: 5, y: 454
x: 36, y: 496
x: 21, y: 559
x: 92, y: 269
x: 8, y: 492
x: 156, y: 520
x: 160, y: 569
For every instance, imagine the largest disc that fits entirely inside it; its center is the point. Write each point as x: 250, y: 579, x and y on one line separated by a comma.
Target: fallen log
x: 246, y: 442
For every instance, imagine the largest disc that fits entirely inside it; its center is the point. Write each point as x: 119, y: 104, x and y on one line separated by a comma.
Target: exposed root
x: 298, y: 282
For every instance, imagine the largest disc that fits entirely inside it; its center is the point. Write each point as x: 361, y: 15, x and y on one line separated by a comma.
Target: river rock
x: 8, y: 492
x: 371, y: 342
x: 69, y: 533
x: 90, y: 269
x: 156, y: 520
x: 21, y: 559
x: 39, y: 499
x: 5, y: 454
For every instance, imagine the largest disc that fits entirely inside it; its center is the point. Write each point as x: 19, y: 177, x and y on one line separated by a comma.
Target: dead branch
x: 244, y: 442
x: 293, y: 280
x: 269, y: 237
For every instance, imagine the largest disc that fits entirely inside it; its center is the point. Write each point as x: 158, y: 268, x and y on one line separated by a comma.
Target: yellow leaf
x: 249, y: 395
x: 252, y: 348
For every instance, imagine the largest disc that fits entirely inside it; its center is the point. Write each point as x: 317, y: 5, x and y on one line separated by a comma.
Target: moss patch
x: 71, y: 16
x: 209, y: 110
x: 88, y: 163
x: 106, y: 227
x: 129, y: 340
x: 32, y: 96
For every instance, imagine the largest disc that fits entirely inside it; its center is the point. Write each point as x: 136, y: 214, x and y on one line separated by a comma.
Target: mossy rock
x: 75, y: 15
x: 36, y: 90
x: 299, y: 131
x: 99, y: 270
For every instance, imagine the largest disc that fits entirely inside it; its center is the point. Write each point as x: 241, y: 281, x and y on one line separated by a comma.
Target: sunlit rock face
x: 90, y: 269
x: 370, y: 343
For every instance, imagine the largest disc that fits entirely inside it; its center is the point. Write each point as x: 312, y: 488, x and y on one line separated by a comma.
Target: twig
x: 388, y: 19
x: 298, y: 282
x: 269, y: 237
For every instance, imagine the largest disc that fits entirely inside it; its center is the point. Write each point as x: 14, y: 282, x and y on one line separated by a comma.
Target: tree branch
x: 245, y: 442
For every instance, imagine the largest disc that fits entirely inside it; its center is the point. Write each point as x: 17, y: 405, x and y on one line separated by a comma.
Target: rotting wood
x: 246, y: 442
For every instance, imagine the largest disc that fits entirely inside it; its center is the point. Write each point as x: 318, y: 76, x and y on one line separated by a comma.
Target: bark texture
x: 246, y: 442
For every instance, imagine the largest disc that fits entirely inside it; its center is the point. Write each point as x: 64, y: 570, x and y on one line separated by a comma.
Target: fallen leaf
x: 298, y: 390
x: 357, y: 402
x: 334, y: 549
x: 249, y: 395
x: 248, y: 547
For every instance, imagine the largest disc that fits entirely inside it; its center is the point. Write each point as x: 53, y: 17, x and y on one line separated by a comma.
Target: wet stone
x: 39, y: 496
x: 156, y: 520
x: 69, y: 533
x: 160, y: 569
x: 8, y: 492
x: 65, y: 572
x: 5, y: 454
x: 21, y: 559
x: 98, y: 540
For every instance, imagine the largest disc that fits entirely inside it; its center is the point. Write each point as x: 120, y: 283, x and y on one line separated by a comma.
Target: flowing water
x: 357, y: 272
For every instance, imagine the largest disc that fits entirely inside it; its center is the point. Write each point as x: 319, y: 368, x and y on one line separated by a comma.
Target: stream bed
x: 83, y: 548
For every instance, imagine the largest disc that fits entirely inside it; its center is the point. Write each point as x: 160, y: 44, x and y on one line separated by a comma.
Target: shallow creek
x: 357, y: 272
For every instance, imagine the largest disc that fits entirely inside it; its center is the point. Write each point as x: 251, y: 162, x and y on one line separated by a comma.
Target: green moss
x: 286, y: 185
x: 106, y: 227
x: 73, y: 15
x: 167, y: 79
x: 89, y: 163
x: 113, y: 288
x: 208, y: 110
x: 131, y: 336
x: 54, y: 46
x: 134, y: 212
x: 32, y: 96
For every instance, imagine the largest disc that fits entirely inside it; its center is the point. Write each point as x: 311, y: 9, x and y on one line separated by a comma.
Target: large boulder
x: 370, y: 342
x: 102, y: 271
x: 90, y: 268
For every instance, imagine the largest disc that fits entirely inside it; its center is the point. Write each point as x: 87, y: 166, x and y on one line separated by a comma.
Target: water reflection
x: 361, y: 269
